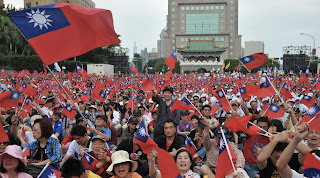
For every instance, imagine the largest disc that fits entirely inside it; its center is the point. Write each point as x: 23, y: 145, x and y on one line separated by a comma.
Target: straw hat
x: 121, y: 157
x: 14, y: 151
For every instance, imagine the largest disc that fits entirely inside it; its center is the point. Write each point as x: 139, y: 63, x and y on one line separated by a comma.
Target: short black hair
x: 280, y: 146
x: 21, y: 167
x: 79, y: 130
x: 171, y: 121
x: 206, y: 106
x: 68, y: 168
x: 184, y: 150
x: 262, y: 119
x: 277, y: 124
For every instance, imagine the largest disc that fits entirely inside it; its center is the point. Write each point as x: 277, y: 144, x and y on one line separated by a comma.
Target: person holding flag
x: 211, y: 141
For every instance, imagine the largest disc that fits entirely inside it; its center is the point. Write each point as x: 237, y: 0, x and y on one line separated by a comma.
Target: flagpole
x: 259, y: 127
x: 274, y: 89
x: 24, y: 99
x: 195, y: 107
x: 228, y: 150
x: 244, y: 66
x: 265, y: 111
x: 298, y: 123
x: 91, y: 125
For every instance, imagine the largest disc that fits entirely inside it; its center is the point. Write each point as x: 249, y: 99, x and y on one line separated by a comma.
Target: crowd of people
x: 99, y: 139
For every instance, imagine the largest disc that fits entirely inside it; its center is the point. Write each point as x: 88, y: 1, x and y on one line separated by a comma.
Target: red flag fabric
x: 26, y: 153
x: 312, y: 112
x: 285, y: 91
x: 147, y: 85
x: 214, y: 109
x: 130, y: 104
x: 183, y: 104
x: 9, y: 99
x: 219, y: 94
x: 242, y: 124
x: 57, y: 173
x: 254, y: 60
x: 69, y: 112
x: 171, y: 60
x: 224, y: 164
x: 4, y: 136
x: 67, y: 36
x: 263, y: 90
x: 132, y: 68
x: 315, y: 124
x: 307, y: 100
x: 190, y: 146
x: 311, y: 165
x: 274, y: 111
x: 142, y: 138
x: 165, y: 163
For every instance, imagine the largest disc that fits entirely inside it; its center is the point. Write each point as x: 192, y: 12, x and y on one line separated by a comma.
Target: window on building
x: 187, y: 8
x: 222, y: 39
x: 221, y: 7
x: 173, y: 16
x: 182, y: 21
x: 37, y: 3
x: 221, y: 27
x: 217, y: 7
x: 231, y: 15
x: 231, y: 27
x: 181, y: 39
x: 182, y: 15
x: 192, y: 38
x: 201, y: 38
x: 231, y: 47
x: 231, y: 53
x: 173, y: 47
x: 207, y: 7
x: 211, y: 7
x: 192, y: 8
x: 231, y: 1
x: 221, y: 14
x: 221, y: 21
x: 173, y: 29
x: 182, y: 46
x: 173, y: 22
x: 231, y: 8
x: 182, y: 8
x: 222, y: 45
x: 173, y: 9
x: 173, y: 35
x: 202, y: 23
x: 173, y: 41
x: 217, y: 39
x: 231, y: 34
x: 207, y: 38
x: 173, y: 3
x: 182, y: 28
x: 197, y: 38
x: 231, y: 21
x: 231, y: 40
x: 197, y: 8
x: 202, y: 7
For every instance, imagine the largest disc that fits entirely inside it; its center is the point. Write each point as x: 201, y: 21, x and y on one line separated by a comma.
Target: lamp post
x: 314, y: 45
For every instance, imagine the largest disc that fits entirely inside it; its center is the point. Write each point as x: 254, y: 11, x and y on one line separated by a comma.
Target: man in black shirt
x: 170, y: 141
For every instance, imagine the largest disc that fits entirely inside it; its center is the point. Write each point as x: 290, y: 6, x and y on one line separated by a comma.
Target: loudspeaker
x: 295, y: 62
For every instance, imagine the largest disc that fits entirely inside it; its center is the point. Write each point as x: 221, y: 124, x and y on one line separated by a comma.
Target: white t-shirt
x: 74, y: 150
x: 296, y: 175
x: 116, y: 117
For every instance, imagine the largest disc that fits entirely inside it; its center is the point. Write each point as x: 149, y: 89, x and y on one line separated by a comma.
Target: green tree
x: 137, y: 62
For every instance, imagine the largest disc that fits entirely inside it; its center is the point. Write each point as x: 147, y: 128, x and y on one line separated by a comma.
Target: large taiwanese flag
x: 311, y: 165
x: 226, y: 160
x: 171, y: 60
x: 263, y: 90
x: 312, y: 112
x: 285, y: 91
x: 308, y: 100
x: 60, y: 31
x: 9, y: 99
x: 242, y: 124
x: 167, y: 165
x: 132, y: 68
x: 183, y: 104
x: 274, y: 111
x: 142, y: 138
x: 220, y: 95
x: 254, y: 60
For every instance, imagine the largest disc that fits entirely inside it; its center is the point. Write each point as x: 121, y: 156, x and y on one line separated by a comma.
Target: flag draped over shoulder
x: 254, y: 60
x: 60, y: 31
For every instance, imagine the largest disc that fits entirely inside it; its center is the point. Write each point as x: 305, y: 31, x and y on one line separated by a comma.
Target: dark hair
x: 20, y: 168
x: 277, y: 124
x: 81, y: 102
x: 45, y: 126
x: 68, y: 168
x: 184, y: 150
x: 171, y: 121
x: 141, y: 107
x: 280, y: 146
x: 8, y: 120
x: 130, y: 167
x: 79, y: 130
x: 263, y: 119
x: 206, y: 106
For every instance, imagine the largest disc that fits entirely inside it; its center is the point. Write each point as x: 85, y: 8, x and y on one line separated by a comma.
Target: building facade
x: 160, y: 43
x: 252, y: 47
x: 85, y: 3
x: 135, y: 48
x: 203, y: 20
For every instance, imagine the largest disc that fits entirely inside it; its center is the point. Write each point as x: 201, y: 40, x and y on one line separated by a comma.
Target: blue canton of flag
x: 24, y: 85
x: 265, y: 84
x: 15, y: 95
x: 142, y: 134
x: 242, y: 90
x: 47, y: 86
x: 313, y: 110
x: 89, y: 158
x: 307, y: 97
x: 47, y: 172
x: 186, y: 101
x: 247, y: 59
x: 69, y: 108
x: 274, y: 108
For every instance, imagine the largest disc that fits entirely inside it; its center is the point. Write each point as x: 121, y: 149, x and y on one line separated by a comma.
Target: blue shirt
x: 107, y: 132
x: 52, y: 150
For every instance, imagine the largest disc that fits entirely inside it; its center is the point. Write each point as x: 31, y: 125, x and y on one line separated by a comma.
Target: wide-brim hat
x: 121, y: 157
x: 14, y: 151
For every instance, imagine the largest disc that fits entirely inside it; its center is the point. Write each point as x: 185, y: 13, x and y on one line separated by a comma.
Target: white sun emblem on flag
x: 142, y: 132
x: 241, y: 90
x: 52, y: 175
x: 306, y: 97
x: 220, y: 93
x: 273, y: 108
x: 311, y: 111
x: 247, y: 59
x: 69, y: 108
x: 15, y: 96
x: 39, y: 18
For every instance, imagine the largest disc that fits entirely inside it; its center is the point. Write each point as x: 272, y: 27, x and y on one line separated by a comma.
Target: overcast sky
x: 277, y: 23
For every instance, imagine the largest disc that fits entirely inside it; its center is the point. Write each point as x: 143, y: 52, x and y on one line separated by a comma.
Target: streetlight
x: 314, y: 44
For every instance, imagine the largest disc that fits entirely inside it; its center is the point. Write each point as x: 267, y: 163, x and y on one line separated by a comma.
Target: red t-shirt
x: 252, y: 147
